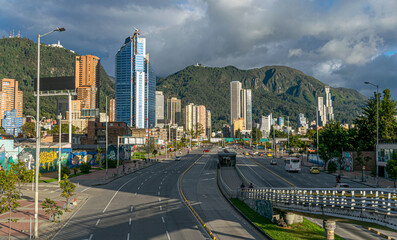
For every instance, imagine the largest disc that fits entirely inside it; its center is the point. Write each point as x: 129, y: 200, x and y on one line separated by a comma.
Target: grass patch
x: 305, y: 230
x: 49, y: 180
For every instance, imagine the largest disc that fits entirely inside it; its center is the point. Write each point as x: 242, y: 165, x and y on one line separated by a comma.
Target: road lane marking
x: 139, y: 188
x: 91, y: 235
x: 135, y: 193
x: 162, y: 218
x: 104, y: 210
x: 168, y: 235
x: 158, y: 193
x: 97, y: 222
x: 85, y: 189
x: 132, y: 208
x: 159, y: 187
x: 161, y: 208
x: 159, y: 199
x: 129, y: 222
x: 128, y: 236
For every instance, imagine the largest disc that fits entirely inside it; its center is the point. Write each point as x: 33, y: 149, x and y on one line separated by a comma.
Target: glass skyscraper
x: 135, y: 84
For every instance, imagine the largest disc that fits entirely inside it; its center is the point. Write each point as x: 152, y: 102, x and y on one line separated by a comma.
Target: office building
x: 266, y: 123
x: 301, y: 120
x: 87, y: 75
x: 246, y: 108
x: 208, y: 128
x: 10, y: 97
x: 189, y: 117
x: 235, y: 100
x: 201, y: 119
x: 174, y: 111
x: 329, y: 110
x: 159, y: 109
x: 112, y: 105
x: 135, y: 84
x: 280, y: 121
x: 11, y: 123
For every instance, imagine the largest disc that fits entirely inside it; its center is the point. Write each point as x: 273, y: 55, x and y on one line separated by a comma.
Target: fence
x: 373, y: 205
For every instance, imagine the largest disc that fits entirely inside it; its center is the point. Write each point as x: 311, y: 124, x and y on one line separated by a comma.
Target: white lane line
x: 161, y: 208
x: 158, y: 193
x: 91, y: 235
x: 159, y: 187
x: 68, y: 220
x: 162, y: 218
x: 159, y: 199
x: 104, y: 210
x: 128, y: 236
x: 168, y: 235
x: 85, y: 189
x: 129, y: 222
x: 97, y: 222
x: 139, y: 188
x: 132, y: 208
x: 135, y: 193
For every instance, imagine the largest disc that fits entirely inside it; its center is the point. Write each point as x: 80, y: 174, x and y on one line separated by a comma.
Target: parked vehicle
x: 177, y: 158
x: 314, y: 170
x: 273, y: 161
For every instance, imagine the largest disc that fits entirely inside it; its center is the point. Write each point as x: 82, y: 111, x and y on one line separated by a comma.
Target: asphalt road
x: 263, y: 178
x: 199, y: 187
x: 142, y: 205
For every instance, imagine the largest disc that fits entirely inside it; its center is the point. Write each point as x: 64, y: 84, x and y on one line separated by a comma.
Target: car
x: 247, y: 154
x: 177, y: 158
x: 273, y: 161
x: 206, y: 150
x: 269, y: 154
x: 342, y: 185
x: 314, y: 170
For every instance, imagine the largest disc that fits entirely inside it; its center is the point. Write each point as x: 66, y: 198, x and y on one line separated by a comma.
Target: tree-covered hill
x: 18, y: 60
x: 280, y: 90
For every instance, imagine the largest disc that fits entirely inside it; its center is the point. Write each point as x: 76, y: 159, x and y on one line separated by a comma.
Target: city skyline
x: 338, y: 42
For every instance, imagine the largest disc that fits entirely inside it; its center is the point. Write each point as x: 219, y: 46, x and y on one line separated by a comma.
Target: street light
x: 36, y: 194
x: 377, y: 129
x: 59, y: 149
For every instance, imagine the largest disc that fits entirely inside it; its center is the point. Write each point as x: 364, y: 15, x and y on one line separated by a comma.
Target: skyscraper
x: 235, y: 101
x: 329, y: 111
x: 159, y: 109
x: 246, y: 108
x: 10, y: 97
x: 174, y: 110
x: 201, y: 119
x: 87, y: 75
x: 189, y: 117
x: 135, y: 84
x: 208, y: 129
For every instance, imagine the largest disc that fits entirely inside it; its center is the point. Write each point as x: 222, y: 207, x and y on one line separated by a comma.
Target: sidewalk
x: 25, y: 212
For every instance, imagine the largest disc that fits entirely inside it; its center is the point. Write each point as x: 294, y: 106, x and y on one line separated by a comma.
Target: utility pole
x: 59, y: 149
x: 317, y: 153
x: 106, y: 154
x: 288, y: 134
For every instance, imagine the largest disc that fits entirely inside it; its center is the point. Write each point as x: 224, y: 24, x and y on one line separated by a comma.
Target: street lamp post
x: 37, y: 165
x: 377, y: 130
x: 59, y: 150
x: 106, y: 154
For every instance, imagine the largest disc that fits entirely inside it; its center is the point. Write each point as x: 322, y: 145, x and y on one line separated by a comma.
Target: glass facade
x: 135, y: 84
x: 11, y: 123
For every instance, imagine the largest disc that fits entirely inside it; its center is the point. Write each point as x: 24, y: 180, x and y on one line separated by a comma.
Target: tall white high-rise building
x: 329, y: 111
x: 159, y: 109
x: 246, y: 108
x: 266, y: 123
x: 324, y: 108
x: 235, y: 101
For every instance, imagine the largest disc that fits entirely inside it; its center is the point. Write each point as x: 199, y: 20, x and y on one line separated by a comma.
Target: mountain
x: 18, y: 60
x: 280, y: 90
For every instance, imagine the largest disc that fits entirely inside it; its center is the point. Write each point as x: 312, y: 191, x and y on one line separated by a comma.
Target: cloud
x: 332, y: 40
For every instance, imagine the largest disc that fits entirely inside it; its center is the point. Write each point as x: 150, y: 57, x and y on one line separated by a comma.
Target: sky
x: 342, y: 43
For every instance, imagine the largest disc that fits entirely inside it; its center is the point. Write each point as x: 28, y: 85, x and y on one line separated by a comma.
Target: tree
x: 64, y: 129
x: 2, y: 131
x: 391, y: 168
x: 256, y: 135
x: 29, y: 130
x: 333, y: 139
x: 67, y: 188
x: 23, y: 175
x: 366, y: 123
x: 52, y: 209
x: 9, y: 200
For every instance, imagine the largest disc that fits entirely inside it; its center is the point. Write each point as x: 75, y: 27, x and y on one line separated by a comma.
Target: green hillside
x: 280, y: 90
x: 18, y: 60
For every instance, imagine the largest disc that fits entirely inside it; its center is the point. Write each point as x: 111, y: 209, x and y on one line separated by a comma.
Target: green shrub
x: 85, y: 167
x: 65, y: 170
x: 332, y: 167
x: 75, y: 170
x: 112, y: 163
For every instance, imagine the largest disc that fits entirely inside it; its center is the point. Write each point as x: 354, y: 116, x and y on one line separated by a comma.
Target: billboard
x: 56, y: 83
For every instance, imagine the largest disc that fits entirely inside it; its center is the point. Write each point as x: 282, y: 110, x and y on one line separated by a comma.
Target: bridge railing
x: 379, y: 200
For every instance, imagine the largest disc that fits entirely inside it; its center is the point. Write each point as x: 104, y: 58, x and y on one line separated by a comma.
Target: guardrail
x: 374, y: 205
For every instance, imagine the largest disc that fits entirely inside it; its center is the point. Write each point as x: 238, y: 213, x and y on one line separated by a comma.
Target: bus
x: 292, y: 164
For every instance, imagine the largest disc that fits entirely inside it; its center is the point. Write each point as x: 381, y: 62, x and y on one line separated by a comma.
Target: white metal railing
x: 378, y: 200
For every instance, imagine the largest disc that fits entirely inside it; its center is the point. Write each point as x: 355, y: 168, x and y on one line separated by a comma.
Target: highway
x: 254, y: 168
x: 142, y: 205
x: 147, y: 205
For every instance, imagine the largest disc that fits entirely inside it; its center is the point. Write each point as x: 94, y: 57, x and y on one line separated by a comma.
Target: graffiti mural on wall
x: 348, y: 163
x: 264, y: 208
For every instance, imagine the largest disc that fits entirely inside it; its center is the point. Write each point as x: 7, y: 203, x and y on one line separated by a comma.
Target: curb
x: 378, y: 233
x: 239, y: 212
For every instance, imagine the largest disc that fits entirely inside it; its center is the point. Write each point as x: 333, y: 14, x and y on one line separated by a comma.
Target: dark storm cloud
x: 335, y: 41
